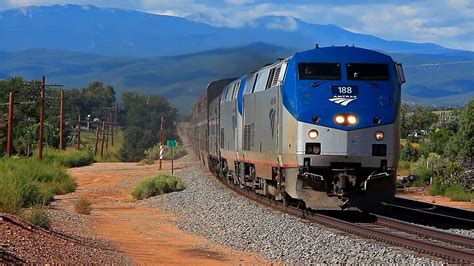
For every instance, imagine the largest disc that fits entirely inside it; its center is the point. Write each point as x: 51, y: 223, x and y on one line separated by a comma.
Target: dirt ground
x: 422, y: 194
x: 146, y: 235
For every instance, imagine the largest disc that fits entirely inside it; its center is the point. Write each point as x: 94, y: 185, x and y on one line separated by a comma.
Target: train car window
x: 255, y: 83
x: 367, y: 72
x: 323, y: 71
x: 270, y: 78
x: 236, y: 89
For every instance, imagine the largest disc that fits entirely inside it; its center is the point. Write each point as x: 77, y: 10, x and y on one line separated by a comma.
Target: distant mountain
x: 434, y: 80
x: 120, y: 32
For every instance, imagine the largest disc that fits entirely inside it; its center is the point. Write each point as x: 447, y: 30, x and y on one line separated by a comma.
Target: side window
x: 236, y: 89
x: 270, y: 78
x: 254, y: 83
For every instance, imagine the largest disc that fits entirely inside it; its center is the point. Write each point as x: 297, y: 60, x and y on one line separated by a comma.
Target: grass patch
x: 161, y: 184
x: 458, y: 193
x: 69, y: 158
x: 38, y: 215
x: 83, y: 205
x: 27, y: 182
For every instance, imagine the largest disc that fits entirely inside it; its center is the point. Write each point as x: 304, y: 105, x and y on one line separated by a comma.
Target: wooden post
x: 10, y: 125
x: 61, y: 122
x: 41, y: 127
x: 107, y: 126
x: 79, y: 131
x: 112, y: 128
x: 116, y: 118
x: 103, y: 139
x: 161, y: 141
x: 96, y: 140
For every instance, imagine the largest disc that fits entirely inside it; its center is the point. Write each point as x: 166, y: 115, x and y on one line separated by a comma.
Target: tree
x: 436, y: 141
x: 461, y: 146
x: 141, y: 118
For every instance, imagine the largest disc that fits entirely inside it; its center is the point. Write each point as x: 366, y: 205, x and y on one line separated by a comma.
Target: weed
x: 83, y: 205
x: 458, y: 193
x: 38, y: 215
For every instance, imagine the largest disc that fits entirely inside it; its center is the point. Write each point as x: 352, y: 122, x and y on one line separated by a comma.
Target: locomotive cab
x: 346, y: 103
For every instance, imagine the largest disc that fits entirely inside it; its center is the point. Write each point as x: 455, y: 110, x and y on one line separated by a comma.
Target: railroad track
x: 450, y: 247
x: 431, y: 214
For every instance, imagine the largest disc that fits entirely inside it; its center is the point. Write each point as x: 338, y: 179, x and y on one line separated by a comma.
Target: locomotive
x: 319, y: 129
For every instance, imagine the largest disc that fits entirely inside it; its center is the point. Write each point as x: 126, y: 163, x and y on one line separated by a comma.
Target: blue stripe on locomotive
x: 375, y: 98
x: 240, y: 97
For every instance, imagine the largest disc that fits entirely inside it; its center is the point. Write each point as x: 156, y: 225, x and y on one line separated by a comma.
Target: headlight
x: 313, y: 133
x: 340, y: 119
x: 379, y: 135
x: 346, y: 119
x: 352, y: 119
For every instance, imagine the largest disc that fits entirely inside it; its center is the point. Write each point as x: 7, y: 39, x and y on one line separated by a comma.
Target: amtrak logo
x: 343, y: 100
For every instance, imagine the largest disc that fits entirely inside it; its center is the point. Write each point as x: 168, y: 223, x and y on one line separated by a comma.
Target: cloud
x: 446, y: 22
x: 239, y: 2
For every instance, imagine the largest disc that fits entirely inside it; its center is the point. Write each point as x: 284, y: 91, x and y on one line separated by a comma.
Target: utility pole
x: 161, y: 142
x: 107, y: 123
x: 79, y: 131
x: 41, y: 128
x: 10, y: 125
x: 103, y: 139
x: 96, y: 140
x: 61, y: 122
x: 112, y: 128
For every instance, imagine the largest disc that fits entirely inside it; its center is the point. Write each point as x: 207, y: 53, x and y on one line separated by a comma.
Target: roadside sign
x: 171, y: 143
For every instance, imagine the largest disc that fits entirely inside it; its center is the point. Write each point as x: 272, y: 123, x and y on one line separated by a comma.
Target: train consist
x: 319, y: 129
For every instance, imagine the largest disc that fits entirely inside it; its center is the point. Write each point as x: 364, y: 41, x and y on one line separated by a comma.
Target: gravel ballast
x: 218, y: 214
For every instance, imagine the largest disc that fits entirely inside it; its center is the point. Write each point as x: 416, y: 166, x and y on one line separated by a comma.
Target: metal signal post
x: 61, y: 122
x: 161, y: 142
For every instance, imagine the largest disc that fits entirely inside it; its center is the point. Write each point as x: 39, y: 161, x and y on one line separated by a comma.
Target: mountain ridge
x: 123, y: 32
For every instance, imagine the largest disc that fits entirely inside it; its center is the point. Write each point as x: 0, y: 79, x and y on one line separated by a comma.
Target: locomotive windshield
x: 367, y: 71
x: 324, y: 71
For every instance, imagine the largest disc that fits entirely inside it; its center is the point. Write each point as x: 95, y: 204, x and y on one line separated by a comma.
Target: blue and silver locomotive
x: 319, y: 128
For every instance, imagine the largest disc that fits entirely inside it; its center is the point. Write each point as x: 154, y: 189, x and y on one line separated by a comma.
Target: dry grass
x: 83, y: 205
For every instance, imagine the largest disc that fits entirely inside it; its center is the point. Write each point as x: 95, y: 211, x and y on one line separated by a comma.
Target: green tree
x: 461, y: 146
x: 436, y: 141
x: 141, y: 119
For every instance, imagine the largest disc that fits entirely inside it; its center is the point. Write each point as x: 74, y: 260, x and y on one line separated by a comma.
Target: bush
x: 69, y: 158
x: 404, y: 168
x: 458, y: 193
x: 161, y: 184
x: 83, y: 205
x: 27, y: 182
x: 437, y: 189
x: 38, y: 215
x: 423, y: 177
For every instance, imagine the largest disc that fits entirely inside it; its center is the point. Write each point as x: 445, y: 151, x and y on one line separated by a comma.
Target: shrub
x: 27, y: 182
x: 437, y: 189
x: 83, y: 205
x: 458, y: 193
x: 404, y: 168
x: 38, y: 215
x: 161, y: 184
x: 423, y: 177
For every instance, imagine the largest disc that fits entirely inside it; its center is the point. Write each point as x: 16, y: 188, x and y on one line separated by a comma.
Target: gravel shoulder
x: 207, y: 209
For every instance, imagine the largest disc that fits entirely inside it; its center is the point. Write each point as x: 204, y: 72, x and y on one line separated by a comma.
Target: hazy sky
x: 446, y: 22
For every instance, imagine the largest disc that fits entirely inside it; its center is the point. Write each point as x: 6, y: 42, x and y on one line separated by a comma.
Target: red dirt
x: 146, y: 235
